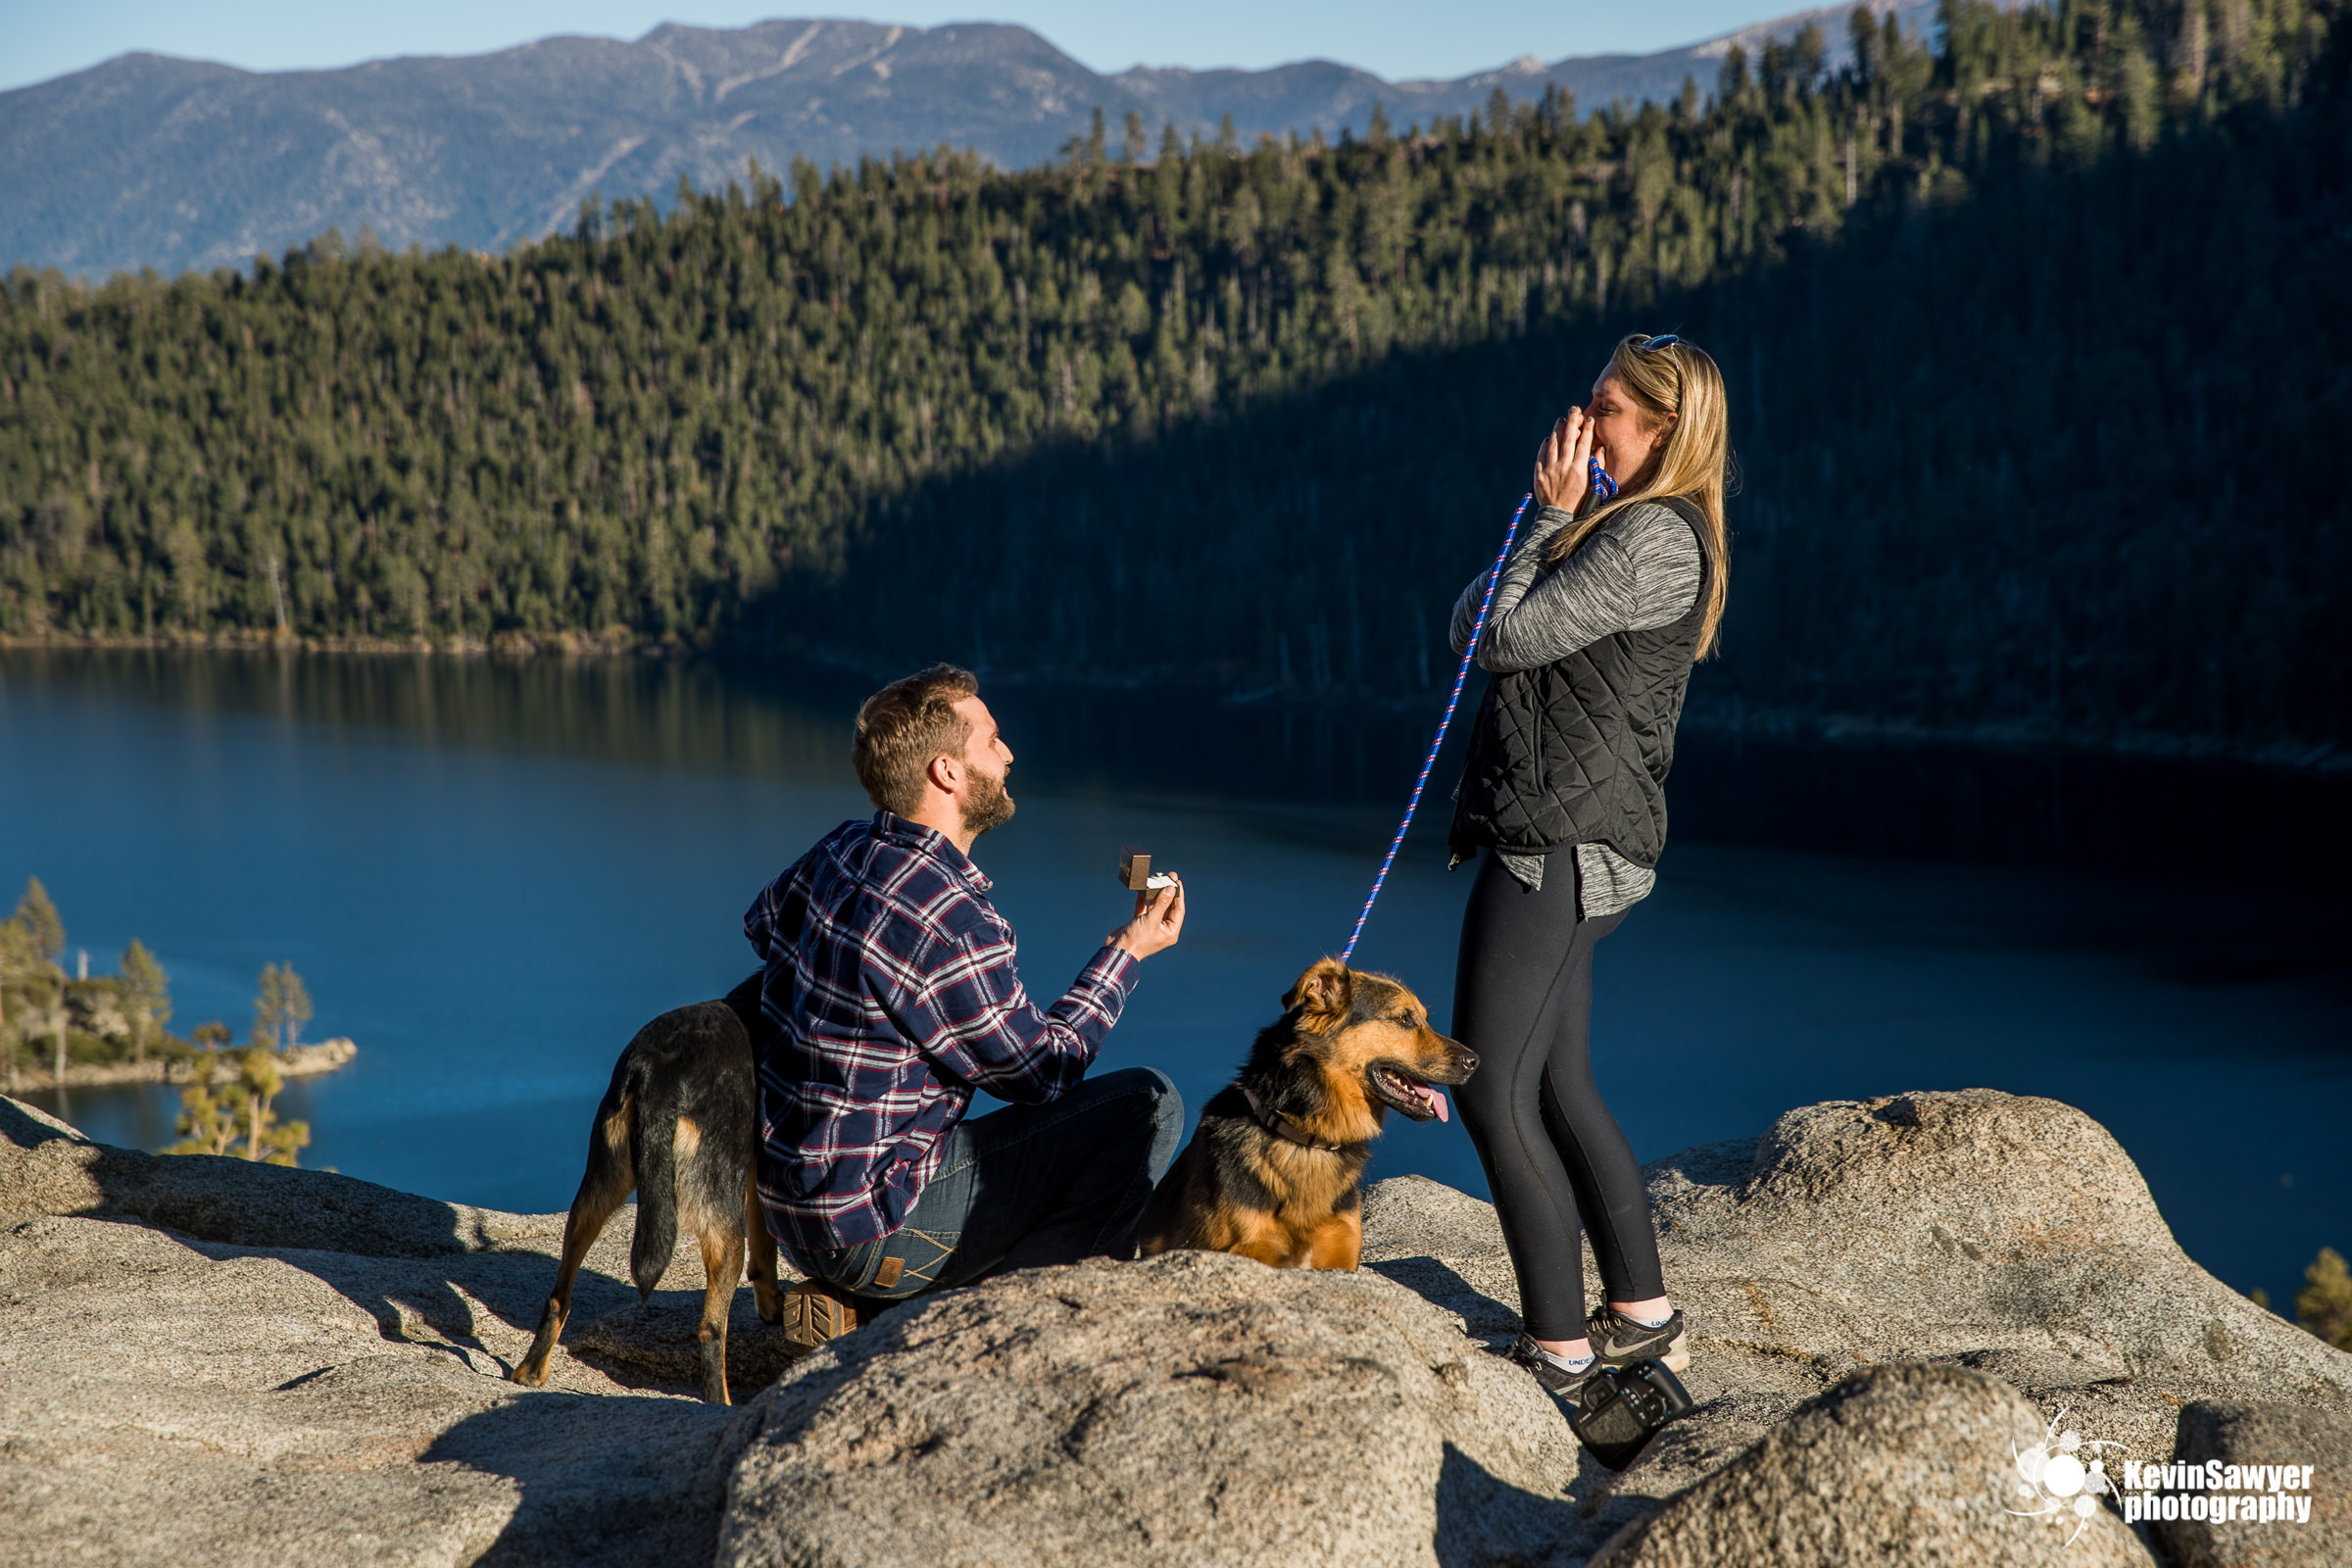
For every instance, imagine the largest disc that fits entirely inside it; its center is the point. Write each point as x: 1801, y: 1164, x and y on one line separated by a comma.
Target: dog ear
x: 1323, y: 995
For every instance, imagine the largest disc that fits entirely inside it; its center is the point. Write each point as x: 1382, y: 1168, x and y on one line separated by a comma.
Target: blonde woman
x: 1597, y: 620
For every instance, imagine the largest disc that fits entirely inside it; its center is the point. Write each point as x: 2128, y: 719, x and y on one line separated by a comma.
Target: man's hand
x: 1159, y: 921
x: 1562, y: 467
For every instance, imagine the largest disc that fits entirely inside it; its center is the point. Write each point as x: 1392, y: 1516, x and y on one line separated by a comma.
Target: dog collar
x: 1284, y: 1128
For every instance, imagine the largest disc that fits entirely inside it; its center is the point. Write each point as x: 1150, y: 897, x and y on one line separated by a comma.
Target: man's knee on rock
x: 1167, y: 1108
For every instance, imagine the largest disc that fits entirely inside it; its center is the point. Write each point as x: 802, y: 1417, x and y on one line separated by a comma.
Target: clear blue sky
x: 1397, y: 38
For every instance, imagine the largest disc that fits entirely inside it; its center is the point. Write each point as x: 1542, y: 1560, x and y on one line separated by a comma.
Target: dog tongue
x: 1436, y: 1101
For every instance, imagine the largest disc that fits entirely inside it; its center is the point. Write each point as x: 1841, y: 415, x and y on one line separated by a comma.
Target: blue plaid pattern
x: 891, y: 985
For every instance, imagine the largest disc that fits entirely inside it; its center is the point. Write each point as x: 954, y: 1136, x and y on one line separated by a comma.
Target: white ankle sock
x: 1651, y: 1322
x: 1564, y: 1363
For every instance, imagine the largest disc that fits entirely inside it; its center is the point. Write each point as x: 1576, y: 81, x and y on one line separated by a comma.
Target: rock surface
x: 1902, y: 1464
x: 2267, y: 1434
x: 2007, y: 1234
x: 206, y: 1360
x: 51, y: 1169
x: 1196, y: 1408
x: 203, y: 1360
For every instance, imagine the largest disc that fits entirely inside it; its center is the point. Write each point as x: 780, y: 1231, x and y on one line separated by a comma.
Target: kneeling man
x: 891, y: 993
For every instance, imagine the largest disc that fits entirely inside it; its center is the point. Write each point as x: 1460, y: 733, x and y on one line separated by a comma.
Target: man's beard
x: 987, y: 805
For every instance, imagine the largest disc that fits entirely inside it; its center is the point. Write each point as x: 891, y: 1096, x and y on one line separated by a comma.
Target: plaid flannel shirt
x: 890, y: 987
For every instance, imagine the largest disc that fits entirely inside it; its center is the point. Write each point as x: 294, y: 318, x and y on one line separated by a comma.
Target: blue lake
x: 490, y: 874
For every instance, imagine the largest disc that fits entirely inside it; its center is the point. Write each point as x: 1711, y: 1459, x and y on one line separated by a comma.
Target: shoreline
x: 505, y: 644
x: 303, y: 1061
x: 1728, y: 717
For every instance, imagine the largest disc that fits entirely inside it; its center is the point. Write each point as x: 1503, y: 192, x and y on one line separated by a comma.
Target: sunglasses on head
x: 1662, y: 340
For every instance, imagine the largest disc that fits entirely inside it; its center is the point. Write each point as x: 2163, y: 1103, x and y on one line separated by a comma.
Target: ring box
x: 1135, y: 874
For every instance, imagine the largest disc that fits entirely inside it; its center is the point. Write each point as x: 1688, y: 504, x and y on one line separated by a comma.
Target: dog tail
x: 652, y: 1136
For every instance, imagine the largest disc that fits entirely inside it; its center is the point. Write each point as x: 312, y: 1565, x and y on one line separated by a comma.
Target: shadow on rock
x: 221, y: 1198
x: 184, y: 1327
x: 1484, y: 1521
x: 423, y: 1269
x: 654, y: 1346
x: 600, y: 1477
x: 1434, y: 1282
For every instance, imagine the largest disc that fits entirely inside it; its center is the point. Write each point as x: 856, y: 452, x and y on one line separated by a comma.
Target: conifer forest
x: 2035, y: 333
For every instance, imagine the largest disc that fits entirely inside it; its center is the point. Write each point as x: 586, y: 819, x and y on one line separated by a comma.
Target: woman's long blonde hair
x: 1674, y: 381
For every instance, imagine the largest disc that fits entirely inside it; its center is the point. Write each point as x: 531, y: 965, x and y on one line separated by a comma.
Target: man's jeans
x: 1025, y: 1187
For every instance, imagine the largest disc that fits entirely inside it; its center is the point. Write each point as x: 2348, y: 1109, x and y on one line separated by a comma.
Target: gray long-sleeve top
x: 1640, y: 571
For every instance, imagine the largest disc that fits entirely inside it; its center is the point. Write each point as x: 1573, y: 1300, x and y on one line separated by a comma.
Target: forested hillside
x: 2036, y: 344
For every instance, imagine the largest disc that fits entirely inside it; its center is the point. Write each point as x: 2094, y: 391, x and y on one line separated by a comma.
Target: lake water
x: 491, y: 873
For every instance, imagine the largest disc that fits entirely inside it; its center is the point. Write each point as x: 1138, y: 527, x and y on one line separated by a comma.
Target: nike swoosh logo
x: 1622, y: 1343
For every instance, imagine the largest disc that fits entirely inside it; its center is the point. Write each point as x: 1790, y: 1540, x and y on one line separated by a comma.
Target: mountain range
x: 148, y: 161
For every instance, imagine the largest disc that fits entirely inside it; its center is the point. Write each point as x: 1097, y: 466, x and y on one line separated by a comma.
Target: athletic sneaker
x: 815, y: 1312
x: 1619, y: 1341
x: 1556, y: 1378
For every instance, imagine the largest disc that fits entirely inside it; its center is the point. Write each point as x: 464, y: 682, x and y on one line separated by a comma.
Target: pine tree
x: 41, y: 941
x: 16, y: 965
x: 270, y: 1009
x: 267, y: 1140
x: 293, y: 1006
x: 1118, y: 417
x: 146, y: 995
x: 2325, y: 1303
x: 207, y: 1122
x: 48, y: 1015
x: 37, y: 917
x: 216, y: 1117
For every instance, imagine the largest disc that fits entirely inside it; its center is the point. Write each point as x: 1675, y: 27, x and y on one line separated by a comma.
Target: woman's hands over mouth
x: 1563, y: 474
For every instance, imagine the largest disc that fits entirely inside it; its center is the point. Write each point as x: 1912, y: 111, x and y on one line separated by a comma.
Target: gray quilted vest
x: 1576, y: 750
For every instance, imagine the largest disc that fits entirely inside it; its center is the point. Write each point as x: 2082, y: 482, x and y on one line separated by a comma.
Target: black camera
x: 1620, y: 1408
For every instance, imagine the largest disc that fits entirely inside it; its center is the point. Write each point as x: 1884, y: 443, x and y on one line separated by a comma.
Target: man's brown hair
x: 905, y: 725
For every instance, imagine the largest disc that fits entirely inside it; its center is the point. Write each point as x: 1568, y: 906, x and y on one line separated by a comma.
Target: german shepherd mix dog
x: 679, y: 1124
x: 1274, y: 1170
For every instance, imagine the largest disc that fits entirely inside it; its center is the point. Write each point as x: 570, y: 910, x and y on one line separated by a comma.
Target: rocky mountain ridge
x: 152, y: 162
x: 1891, y: 1301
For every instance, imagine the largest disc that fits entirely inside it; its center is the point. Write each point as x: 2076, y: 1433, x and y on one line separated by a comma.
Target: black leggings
x: 1523, y: 1001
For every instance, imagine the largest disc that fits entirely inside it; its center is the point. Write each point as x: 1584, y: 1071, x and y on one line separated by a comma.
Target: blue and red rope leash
x: 1603, y: 489
x: 1460, y: 675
